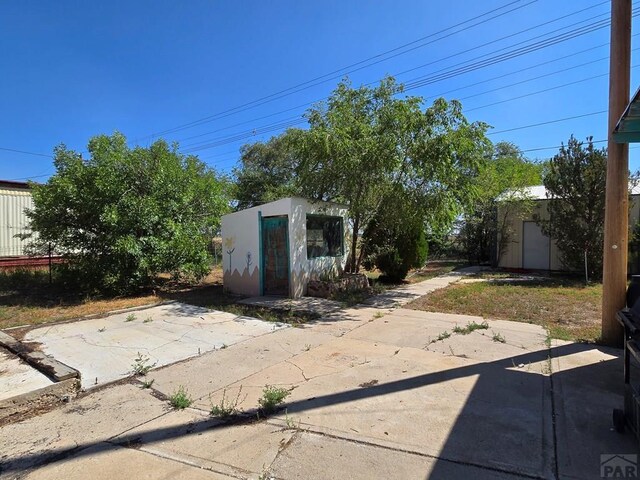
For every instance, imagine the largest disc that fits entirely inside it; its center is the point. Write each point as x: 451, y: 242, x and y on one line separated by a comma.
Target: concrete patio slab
x: 18, y: 377
x: 587, y: 386
x: 108, y: 462
x: 84, y: 422
x: 243, y: 451
x: 367, y: 400
x: 429, y: 404
x: 105, y: 349
x: 213, y: 371
x: 357, y: 461
x: 415, y: 401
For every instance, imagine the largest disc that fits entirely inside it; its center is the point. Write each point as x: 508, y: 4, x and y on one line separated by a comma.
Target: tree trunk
x: 354, y: 244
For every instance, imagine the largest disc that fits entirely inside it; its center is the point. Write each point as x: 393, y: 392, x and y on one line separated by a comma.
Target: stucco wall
x: 512, y: 256
x: 241, y: 245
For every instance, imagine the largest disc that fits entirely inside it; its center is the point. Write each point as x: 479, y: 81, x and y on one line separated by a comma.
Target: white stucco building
x: 277, y: 247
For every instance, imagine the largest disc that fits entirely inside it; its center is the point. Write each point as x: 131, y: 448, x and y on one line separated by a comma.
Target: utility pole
x: 616, y: 219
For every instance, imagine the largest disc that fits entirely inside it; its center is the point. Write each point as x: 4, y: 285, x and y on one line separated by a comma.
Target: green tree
x: 394, y: 243
x: 125, y: 215
x: 575, y: 182
x: 267, y: 170
x: 366, y: 146
x: 501, y: 182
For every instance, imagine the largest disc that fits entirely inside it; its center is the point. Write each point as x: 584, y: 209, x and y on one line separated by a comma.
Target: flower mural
x: 229, y: 243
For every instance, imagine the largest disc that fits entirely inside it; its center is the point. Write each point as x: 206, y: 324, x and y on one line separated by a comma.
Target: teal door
x: 275, y: 255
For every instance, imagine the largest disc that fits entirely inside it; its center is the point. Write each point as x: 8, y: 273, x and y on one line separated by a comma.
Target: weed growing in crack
x: 223, y: 346
x: 226, y: 409
x: 443, y: 336
x: 265, y: 475
x: 378, y: 315
x: 149, y: 319
x: 307, y: 347
x: 272, y: 397
x: 130, y: 318
x: 141, y: 365
x: 498, y: 337
x: 290, y: 422
x: 471, y: 327
x: 180, y: 399
x: 147, y: 383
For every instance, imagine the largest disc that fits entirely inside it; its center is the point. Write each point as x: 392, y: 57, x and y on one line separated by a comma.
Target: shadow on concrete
x: 577, y: 401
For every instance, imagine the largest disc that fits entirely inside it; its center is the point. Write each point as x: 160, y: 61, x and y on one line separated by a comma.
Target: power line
x: 465, y: 67
x: 274, y: 127
x: 25, y: 152
x: 531, y: 79
x: 28, y: 178
x: 486, y: 44
x: 344, y: 71
x: 277, y: 96
x: 553, y: 148
x: 424, y: 80
x: 548, y: 122
x: 432, y: 96
x: 571, y: 55
x: 541, y: 91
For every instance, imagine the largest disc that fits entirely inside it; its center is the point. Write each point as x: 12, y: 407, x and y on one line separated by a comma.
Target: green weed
x: 225, y: 408
x: 180, y: 399
x: 471, y: 327
x: 498, y: 337
x: 272, y: 397
x: 141, y: 365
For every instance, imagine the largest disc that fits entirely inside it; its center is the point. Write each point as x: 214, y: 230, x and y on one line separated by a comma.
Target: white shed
x: 277, y: 247
x: 528, y: 247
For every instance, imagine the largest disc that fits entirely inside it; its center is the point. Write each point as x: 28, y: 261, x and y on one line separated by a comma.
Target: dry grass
x: 430, y: 270
x: 569, y: 309
x: 26, y: 298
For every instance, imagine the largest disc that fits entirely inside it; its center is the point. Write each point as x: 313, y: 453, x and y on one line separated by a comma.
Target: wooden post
x: 616, y: 228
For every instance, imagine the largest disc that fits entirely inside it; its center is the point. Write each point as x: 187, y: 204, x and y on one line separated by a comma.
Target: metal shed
x: 15, y: 198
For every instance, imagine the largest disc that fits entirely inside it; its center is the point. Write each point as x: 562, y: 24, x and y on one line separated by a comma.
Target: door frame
x: 262, y: 255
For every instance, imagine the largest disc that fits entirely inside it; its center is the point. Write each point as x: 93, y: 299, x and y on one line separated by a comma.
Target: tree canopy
x: 502, y: 179
x: 125, y: 215
x: 368, y: 146
x: 267, y: 170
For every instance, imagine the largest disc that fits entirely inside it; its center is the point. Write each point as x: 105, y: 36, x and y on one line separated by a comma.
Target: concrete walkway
x: 375, y: 393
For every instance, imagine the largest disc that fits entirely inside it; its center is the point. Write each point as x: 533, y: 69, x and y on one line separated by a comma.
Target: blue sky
x: 74, y: 69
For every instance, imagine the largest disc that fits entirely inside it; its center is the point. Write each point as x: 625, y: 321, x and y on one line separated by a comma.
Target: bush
x: 125, y: 215
x: 396, y: 250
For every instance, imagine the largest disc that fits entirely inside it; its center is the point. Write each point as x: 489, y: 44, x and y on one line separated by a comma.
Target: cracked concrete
x: 18, y: 377
x: 371, y: 397
x: 104, y: 349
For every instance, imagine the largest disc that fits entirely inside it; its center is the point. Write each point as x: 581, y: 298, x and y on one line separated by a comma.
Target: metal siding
x: 13, y: 220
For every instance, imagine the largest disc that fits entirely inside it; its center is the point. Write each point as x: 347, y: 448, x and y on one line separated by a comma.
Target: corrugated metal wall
x: 13, y: 221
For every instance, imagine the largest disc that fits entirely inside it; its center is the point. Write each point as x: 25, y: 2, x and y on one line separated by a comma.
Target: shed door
x: 535, y: 247
x: 275, y: 256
